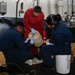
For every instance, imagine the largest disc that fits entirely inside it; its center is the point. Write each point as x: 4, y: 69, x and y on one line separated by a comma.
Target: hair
x: 59, y: 17
x: 37, y: 9
x: 52, y: 19
x: 19, y: 23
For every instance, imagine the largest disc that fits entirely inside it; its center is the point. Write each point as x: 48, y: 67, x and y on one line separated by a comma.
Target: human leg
x: 34, y: 51
x: 18, y: 56
x: 46, y: 52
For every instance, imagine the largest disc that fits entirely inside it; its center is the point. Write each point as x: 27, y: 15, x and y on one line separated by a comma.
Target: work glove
x: 33, y: 31
x: 27, y: 40
x: 32, y: 41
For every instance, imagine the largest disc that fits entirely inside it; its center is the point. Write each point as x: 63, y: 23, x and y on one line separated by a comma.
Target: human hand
x: 27, y: 40
x: 32, y: 41
x: 33, y: 31
x: 47, y: 40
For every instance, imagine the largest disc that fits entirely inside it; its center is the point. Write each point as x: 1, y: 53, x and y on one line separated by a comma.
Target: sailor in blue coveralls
x: 59, y: 42
x: 13, y: 46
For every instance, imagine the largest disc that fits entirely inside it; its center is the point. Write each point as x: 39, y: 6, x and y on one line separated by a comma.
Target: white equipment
x: 63, y: 64
x: 3, y: 8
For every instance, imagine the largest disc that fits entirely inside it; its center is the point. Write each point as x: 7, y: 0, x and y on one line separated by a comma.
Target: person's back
x: 7, y: 40
x: 62, y: 27
x: 62, y: 34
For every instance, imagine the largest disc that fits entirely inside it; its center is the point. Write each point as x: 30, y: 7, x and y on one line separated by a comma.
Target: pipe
x: 60, y: 7
x: 52, y: 7
x: 35, y: 3
x: 17, y: 9
x: 72, y: 8
x: 39, y: 3
x: 67, y: 7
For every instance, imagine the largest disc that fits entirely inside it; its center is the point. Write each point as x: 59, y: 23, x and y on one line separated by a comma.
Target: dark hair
x: 19, y: 23
x: 51, y: 19
x: 59, y: 17
x: 37, y: 9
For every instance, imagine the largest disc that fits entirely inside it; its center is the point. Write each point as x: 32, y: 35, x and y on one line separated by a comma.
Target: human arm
x: 20, y: 43
x: 47, y: 40
x: 30, y: 39
x: 26, y: 20
x: 41, y: 23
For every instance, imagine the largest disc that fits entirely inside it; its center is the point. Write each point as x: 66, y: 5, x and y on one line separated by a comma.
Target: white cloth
x: 33, y: 61
x: 48, y: 43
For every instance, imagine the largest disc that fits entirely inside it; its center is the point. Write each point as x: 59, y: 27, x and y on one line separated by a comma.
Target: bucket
x: 63, y: 64
x: 38, y: 41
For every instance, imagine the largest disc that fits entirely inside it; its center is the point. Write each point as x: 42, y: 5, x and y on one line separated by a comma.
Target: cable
x: 14, y: 64
x: 32, y: 71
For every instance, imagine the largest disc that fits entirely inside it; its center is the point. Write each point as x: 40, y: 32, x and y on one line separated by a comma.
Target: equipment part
x: 3, y: 8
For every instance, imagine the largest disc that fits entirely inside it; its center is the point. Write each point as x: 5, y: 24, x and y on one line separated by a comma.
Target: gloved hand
x: 32, y: 41
x: 33, y: 31
x: 27, y: 40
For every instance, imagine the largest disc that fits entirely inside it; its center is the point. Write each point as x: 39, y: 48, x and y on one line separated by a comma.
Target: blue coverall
x: 13, y: 47
x: 61, y: 39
